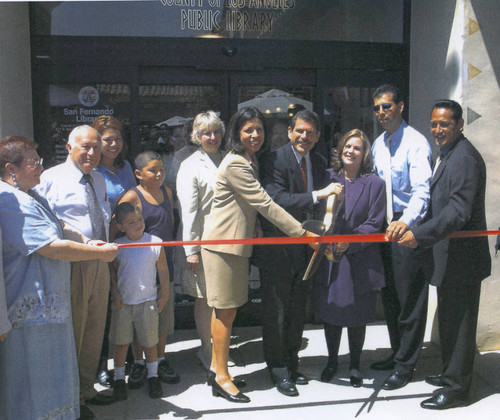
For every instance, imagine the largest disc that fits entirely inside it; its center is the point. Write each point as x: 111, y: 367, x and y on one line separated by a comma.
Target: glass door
x: 346, y: 100
x: 274, y: 94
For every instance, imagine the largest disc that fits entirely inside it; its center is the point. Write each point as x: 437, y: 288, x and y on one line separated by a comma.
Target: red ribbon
x: 373, y: 237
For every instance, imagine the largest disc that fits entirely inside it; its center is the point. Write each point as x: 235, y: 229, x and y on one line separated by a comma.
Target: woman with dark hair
x: 39, y: 371
x: 237, y: 200
x: 195, y: 190
x: 119, y: 178
x: 116, y: 170
x: 346, y: 289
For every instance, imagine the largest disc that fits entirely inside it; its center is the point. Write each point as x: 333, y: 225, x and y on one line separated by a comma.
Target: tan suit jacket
x: 238, y: 198
x: 196, y: 181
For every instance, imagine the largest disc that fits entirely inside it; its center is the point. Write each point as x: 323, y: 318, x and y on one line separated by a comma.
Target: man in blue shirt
x: 402, y: 158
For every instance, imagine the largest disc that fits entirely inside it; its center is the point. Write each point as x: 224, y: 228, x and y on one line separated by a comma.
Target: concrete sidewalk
x: 192, y: 398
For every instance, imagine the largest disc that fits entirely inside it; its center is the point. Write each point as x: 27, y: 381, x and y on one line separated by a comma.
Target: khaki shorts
x: 166, y: 316
x: 142, y: 317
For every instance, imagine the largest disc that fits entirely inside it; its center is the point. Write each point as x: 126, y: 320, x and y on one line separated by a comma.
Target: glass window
x: 165, y: 109
x: 73, y: 105
x: 274, y: 103
x: 346, y: 108
x: 319, y: 20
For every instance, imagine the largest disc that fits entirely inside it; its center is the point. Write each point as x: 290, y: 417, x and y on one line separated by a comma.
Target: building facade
x: 156, y: 64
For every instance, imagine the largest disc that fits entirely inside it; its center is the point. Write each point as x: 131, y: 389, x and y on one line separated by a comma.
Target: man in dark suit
x: 457, y: 204
x: 296, y: 179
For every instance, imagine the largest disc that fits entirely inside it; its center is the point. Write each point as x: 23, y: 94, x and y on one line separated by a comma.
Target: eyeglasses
x: 385, y: 107
x: 32, y: 163
x: 215, y: 133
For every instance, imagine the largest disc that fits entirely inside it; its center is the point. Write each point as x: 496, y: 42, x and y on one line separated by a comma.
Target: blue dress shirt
x: 410, y: 171
x: 117, y: 184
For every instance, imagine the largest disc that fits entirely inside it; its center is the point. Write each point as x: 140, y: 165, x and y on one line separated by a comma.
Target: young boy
x: 155, y: 202
x: 136, y: 302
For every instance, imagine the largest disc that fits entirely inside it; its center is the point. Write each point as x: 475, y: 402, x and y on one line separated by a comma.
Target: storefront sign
x: 228, y: 15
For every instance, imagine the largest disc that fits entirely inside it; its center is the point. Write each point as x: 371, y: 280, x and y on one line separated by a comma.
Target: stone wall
x: 16, y: 115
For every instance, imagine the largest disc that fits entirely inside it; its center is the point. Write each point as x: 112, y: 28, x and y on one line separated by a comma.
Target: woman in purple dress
x: 346, y: 289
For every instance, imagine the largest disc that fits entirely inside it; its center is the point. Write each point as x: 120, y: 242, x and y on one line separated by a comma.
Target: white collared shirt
x: 310, y: 186
x: 64, y: 190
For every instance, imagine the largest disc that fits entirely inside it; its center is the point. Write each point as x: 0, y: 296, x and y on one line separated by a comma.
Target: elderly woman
x: 39, y: 376
x: 237, y: 199
x: 346, y: 290
x: 195, y: 189
x: 116, y: 171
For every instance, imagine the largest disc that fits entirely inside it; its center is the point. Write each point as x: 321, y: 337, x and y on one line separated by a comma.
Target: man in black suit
x: 457, y: 204
x: 296, y: 179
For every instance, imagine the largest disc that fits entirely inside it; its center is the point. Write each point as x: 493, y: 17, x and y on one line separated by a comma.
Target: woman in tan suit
x: 195, y: 189
x: 238, y: 198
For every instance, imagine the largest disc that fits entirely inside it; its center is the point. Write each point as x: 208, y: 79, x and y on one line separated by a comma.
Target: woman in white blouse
x: 195, y: 189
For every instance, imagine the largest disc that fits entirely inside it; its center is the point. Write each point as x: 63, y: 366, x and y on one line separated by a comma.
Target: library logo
x: 88, y: 96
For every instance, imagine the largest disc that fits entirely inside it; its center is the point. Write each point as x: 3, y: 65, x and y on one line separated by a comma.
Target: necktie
x: 95, y: 210
x: 438, y: 161
x: 303, y: 171
x: 388, y: 179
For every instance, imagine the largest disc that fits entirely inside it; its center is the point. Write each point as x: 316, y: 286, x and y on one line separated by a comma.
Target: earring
x: 14, y: 180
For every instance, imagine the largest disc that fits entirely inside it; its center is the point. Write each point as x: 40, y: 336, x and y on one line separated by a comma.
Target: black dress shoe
x: 387, y: 364
x: 105, y: 378
x: 435, y: 380
x: 86, y: 413
x: 283, y: 382
x: 100, y: 399
x: 166, y: 373
x: 397, y: 380
x: 299, y: 379
x: 287, y: 387
x: 443, y: 401
x: 238, y: 383
x: 328, y: 373
x: 355, y: 378
x: 218, y: 391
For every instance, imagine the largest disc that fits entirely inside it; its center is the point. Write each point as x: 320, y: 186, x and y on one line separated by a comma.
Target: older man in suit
x: 296, y: 179
x: 457, y: 204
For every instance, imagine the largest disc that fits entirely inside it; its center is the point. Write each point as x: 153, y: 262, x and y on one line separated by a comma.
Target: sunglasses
x: 385, y: 107
x: 32, y: 163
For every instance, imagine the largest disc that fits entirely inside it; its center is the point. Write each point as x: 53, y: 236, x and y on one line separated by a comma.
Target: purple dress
x: 345, y: 292
x: 159, y: 222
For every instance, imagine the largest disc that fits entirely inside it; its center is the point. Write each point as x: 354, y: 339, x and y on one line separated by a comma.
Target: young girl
x: 155, y: 202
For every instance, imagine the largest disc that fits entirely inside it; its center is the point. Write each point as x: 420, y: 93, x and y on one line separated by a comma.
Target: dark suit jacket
x: 360, y: 270
x: 282, y: 179
x: 457, y: 204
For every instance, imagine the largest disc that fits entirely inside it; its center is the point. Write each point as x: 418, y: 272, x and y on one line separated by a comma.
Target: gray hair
x: 203, y: 121
x: 78, y: 132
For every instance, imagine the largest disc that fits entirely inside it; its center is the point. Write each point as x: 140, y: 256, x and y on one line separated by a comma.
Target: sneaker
x: 155, y: 389
x: 137, y: 376
x: 120, y: 390
x: 166, y: 373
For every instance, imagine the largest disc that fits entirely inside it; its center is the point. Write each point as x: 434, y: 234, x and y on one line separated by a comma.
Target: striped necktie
x: 303, y: 172
x: 95, y: 210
